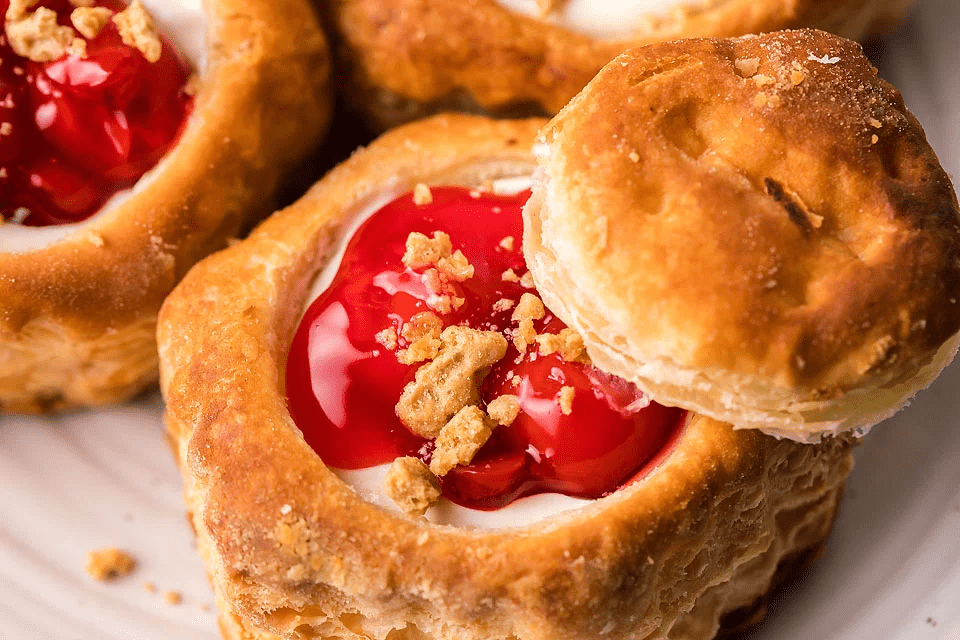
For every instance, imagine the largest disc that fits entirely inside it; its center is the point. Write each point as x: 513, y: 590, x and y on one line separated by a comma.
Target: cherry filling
x: 343, y: 383
x: 76, y: 130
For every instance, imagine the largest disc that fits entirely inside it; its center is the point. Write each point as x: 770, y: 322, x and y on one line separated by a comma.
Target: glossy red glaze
x: 343, y: 386
x: 82, y: 129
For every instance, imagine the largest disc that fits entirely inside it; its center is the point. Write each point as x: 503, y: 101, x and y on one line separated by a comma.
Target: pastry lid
x: 754, y: 229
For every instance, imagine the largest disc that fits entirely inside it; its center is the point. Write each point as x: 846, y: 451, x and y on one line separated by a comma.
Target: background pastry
x: 403, y: 59
x: 80, y: 298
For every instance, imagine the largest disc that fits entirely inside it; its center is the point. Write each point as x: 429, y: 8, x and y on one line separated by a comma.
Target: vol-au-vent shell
x: 755, y: 229
x: 293, y: 551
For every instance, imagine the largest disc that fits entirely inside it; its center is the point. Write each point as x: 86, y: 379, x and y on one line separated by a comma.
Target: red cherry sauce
x: 343, y: 385
x: 77, y: 130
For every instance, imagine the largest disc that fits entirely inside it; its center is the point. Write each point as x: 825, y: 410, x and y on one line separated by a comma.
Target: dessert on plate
x: 134, y: 140
x: 404, y: 408
x: 403, y: 59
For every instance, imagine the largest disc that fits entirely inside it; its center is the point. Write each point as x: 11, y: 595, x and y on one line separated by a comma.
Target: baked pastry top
x: 292, y: 550
x: 78, y: 318
x: 755, y: 229
x: 407, y: 58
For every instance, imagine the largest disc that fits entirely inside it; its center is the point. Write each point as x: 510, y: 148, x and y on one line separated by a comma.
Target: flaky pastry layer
x: 755, y: 229
x: 294, y: 552
x: 78, y: 319
x: 404, y: 59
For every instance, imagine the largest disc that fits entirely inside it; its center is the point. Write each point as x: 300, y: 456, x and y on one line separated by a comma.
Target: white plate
x: 87, y: 480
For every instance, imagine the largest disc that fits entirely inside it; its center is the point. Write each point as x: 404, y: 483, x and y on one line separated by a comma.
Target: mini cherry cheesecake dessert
x: 94, y: 97
x: 410, y: 58
x: 378, y: 352
x: 134, y: 140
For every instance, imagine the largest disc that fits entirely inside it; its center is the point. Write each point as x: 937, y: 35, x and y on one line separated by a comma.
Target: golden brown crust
x: 409, y: 58
x: 78, y: 317
x: 291, y: 549
x: 784, y: 244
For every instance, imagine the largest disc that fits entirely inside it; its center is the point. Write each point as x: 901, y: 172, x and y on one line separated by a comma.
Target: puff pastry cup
x: 294, y: 552
x: 78, y: 318
x: 819, y: 282
x: 405, y: 59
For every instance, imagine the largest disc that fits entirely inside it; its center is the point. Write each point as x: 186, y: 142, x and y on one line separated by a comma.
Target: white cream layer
x: 602, y: 19
x: 182, y: 22
x: 369, y: 482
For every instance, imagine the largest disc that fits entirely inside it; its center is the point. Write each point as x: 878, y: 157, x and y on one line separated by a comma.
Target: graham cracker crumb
x: 172, y: 597
x: 748, y: 67
x: 442, y: 296
x: 507, y: 243
x: 17, y: 9
x: 149, y: 587
x: 524, y: 335
x: 422, y: 195
x: 456, y: 266
x: 421, y: 325
x: 37, y: 36
x: 423, y: 349
x: 515, y: 380
x: 565, y: 399
x: 797, y: 77
x: 763, y: 81
x: 387, y: 338
x: 568, y: 343
x: 503, y: 304
x: 509, y: 276
x: 109, y: 564
x: 526, y: 280
x: 876, y: 124
x: 411, y: 485
x: 529, y: 307
x: 90, y: 20
x: 6, y: 129
x: 422, y: 251
x: 460, y: 439
x: 451, y: 381
x: 634, y: 157
x: 504, y: 409
x: 95, y: 239
x: 422, y: 333
x: 138, y: 30
x: 77, y: 48
x: 874, y: 139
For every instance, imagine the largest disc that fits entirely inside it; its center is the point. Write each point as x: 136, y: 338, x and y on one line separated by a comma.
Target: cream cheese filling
x: 604, y: 20
x: 182, y: 22
x: 368, y: 483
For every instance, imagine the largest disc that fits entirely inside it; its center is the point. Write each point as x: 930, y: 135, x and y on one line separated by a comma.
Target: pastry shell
x: 404, y: 59
x: 294, y: 552
x: 797, y: 272
x: 78, y: 319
